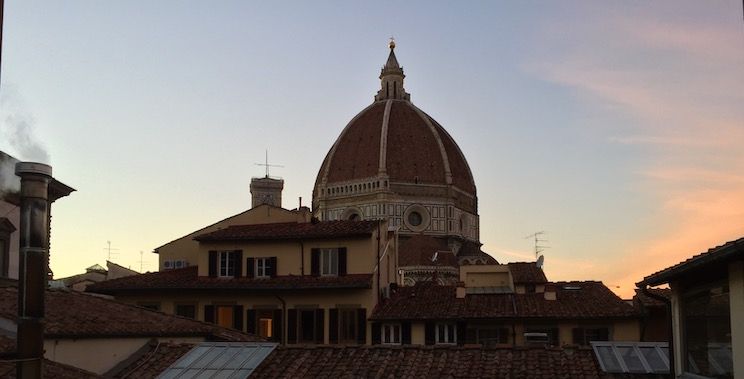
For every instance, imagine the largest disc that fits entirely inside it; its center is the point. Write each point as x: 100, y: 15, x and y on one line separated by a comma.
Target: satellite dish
x: 540, y: 261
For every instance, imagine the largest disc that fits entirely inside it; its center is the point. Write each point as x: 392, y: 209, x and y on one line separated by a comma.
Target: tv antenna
x: 538, y: 240
x: 142, y: 261
x: 267, y: 165
x: 109, y: 249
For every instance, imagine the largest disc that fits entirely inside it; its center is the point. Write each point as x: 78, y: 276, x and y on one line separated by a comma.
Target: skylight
x: 220, y: 360
x: 632, y: 357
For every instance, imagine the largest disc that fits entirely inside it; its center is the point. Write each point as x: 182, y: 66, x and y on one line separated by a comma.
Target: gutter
x: 668, y: 302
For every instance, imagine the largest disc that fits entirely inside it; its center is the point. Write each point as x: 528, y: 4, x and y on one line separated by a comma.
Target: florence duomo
x: 545, y: 191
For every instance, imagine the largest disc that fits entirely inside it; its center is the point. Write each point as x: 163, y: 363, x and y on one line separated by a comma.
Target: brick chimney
x: 550, y: 291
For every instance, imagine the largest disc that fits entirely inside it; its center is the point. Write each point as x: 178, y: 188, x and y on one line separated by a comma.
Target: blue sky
x: 611, y: 126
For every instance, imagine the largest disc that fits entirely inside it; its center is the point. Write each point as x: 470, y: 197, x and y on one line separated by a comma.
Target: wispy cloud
x: 682, y: 83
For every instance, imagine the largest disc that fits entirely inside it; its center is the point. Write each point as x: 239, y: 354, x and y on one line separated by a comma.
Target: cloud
x: 680, y: 82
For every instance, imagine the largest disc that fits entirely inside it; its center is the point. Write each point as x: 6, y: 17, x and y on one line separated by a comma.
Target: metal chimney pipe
x: 32, y: 276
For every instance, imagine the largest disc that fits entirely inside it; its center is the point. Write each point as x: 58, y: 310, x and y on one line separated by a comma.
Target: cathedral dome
x: 395, y: 138
x: 393, y: 161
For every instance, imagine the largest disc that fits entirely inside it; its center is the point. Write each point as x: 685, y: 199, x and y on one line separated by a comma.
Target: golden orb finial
x: 391, y: 44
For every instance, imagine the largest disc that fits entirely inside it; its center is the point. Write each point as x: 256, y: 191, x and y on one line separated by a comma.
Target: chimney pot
x: 550, y: 291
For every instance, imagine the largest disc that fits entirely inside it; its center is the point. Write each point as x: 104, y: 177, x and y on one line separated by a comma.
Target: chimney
x: 549, y: 291
x: 460, y: 291
x: 32, y: 267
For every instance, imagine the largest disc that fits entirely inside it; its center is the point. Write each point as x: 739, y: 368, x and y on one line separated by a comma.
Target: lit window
x: 391, y: 334
x: 263, y: 267
x: 225, y: 314
x: 445, y: 334
x: 329, y: 262
x: 227, y: 264
x: 265, y: 327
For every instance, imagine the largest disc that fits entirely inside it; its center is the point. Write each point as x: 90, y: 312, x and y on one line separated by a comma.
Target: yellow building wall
x: 188, y: 249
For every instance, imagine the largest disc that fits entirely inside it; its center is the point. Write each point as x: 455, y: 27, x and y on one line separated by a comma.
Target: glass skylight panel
x: 211, y: 360
x: 632, y: 357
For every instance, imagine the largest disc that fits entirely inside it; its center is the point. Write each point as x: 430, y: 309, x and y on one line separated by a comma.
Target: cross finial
x: 391, y: 44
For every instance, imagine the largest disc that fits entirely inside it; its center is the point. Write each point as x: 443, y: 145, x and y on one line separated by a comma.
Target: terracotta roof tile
x: 70, y: 314
x: 187, y: 278
x: 527, y: 273
x: 292, y: 231
x: 50, y: 369
x: 647, y: 301
x: 419, y: 249
x: 427, y: 362
x: 430, y: 301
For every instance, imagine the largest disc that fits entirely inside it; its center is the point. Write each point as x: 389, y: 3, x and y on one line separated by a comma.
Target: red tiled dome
x: 395, y: 137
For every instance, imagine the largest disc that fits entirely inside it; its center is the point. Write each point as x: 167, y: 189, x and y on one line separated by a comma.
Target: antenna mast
x: 109, y: 249
x: 538, y: 247
x: 267, y: 165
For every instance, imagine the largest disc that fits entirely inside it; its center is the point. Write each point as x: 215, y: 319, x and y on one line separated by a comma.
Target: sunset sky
x: 615, y: 127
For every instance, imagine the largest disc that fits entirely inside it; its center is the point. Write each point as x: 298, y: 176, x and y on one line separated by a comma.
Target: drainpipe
x: 302, y: 257
x: 668, y: 303
x: 379, y: 228
x: 32, y: 266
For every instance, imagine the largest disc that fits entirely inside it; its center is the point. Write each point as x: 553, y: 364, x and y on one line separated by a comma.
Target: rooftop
x: 291, y: 231
x: 70, y: 314
x: 188, y: 278
x: 527, y: 273
x: 729, y: 250
x: 574, y: 300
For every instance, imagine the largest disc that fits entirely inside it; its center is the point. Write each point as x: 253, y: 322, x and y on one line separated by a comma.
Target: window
x: 632, y: 357
x: 224, y: 315
x: 263, y: 267
x: 307, y: 323
x: 186, y: 310
x: 445, y: 334
x: 391, y: 334
x: 227, y: 264
x: 266, y: 324
x: 489, y: 336
x: 329, y: 262
x: 707, y: 330
x: 348, y: 325
x: 6, y: 228
x: 414, y: 218
x: 583, y: 336
x: 540, y: 336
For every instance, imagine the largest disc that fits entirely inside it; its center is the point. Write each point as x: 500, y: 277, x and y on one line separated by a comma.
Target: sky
x: 615, y: 127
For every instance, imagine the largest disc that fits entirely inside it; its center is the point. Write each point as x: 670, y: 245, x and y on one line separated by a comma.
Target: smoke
x: 17, y: 129
x: 9, y: 182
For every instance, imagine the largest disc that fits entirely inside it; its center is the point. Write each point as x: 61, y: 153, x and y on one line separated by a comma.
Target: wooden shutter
x: 213, y: 258
x: 362, y: 325
x: 315, y: 262
x: 429, y: 335
x: 250, y: 322
x: 461, y: 330
x: 291, y: 326
x: 604, y: 334
x: 209, y: 313
x: 333, y: 325
x: 272, y: 268
x: 405, y: 333
x: 342, y: 261
x: 376, y: 333
x: 250, y: 264
x: 278, y: 326
x: 237, y: 258
x: 319, y: 323
x: 578, y: 336
x: 238, y: 315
